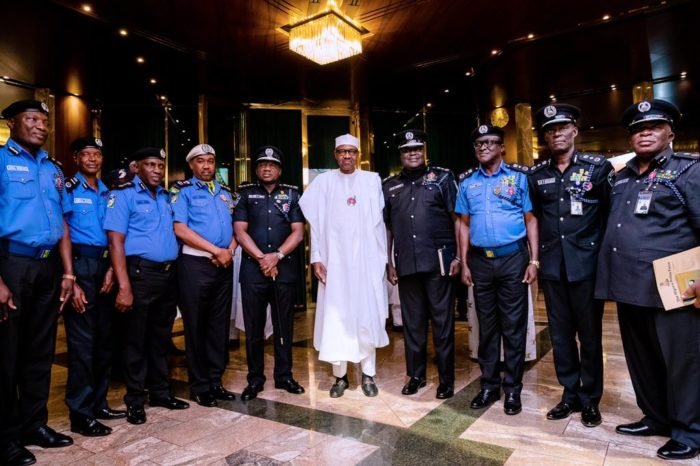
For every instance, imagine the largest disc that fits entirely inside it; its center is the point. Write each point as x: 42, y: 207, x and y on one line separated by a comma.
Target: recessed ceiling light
x: 428, y: 105
x: 163, y: 97
x: 552, y: 96
x: 446, y: 91
x: 153, y: 81
x: 468, y: 73
x: 494, y: 52
x: 613, y: 87
x: 86, y: 8
x: 177, y: 121
x: 606, y: 17
x: 183, y: 131
x: 123, y: 32
x: 531, y: 36
x: 140, y: 60
x: 684, y: 74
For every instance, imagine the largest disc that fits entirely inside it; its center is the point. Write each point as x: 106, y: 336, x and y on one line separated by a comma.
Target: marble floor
x: 312, y: 429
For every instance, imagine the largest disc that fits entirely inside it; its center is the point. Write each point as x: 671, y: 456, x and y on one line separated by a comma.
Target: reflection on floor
x: 313, y: 429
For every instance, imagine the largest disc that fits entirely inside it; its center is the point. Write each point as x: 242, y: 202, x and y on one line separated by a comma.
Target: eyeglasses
x: 489, y: 143
x: 346, y: 151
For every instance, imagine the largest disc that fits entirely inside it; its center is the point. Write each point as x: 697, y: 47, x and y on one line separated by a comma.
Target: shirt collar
x: 101, y: 187
x: 203, y: 184
x: 501, y: 168
x: 41, y: 154
x: 659, y: 160
x: 141, y: 186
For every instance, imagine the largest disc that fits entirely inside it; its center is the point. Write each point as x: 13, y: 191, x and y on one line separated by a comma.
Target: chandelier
x: 326, y: 37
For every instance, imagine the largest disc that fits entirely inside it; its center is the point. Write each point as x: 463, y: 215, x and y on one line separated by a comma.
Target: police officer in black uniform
x: 143, y: 249
x: 570, y: 195
x: 420, y: 221
x: 203, y: 211
x: 88, y: 320
x: 32, y: 188
x: 655, y: 212
x: 269, y: 226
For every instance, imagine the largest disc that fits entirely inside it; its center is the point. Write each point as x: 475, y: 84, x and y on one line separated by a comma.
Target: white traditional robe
x: 349, y: 238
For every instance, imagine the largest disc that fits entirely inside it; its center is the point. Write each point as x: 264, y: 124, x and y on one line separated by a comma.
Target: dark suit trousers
x: 205, y: 293
x: 428, y: 297
x: 27, y: 343
x: 662, y: 350
x: 572, y: 312
x: 500, y: 297
x: 255, y: 297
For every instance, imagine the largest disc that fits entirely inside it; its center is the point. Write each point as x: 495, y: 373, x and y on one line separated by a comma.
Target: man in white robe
x: 348, y: 254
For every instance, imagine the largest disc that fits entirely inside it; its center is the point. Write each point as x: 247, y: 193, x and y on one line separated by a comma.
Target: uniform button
x: 561, y: 200
x: 413, y: 182
x: 269, y: 211
x: 269, y: 228
x: 412, y: 216
x: 413, y: 198
x: 269, y: 245
x: 614, y: 249
x: 628, y: 202
x: 414, y: 236
x: 637, y: 181
x: 619, y: 225
x: 561, y: 219
x: 562, y: 236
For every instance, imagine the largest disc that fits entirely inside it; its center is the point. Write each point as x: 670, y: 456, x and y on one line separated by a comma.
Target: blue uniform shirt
x: 88, y: 214
x: 208, y: 215
x: 146, y: 222
x: 31, y: 191
x: 496, y: 204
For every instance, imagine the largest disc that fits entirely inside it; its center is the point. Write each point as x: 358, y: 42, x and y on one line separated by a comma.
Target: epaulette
x: 519, y: 168
x: 226, y: 188
x: 13, y: 150
x: 290, y: 186
x: 72, y: 184
x: 687, y: 155
x: 55, y: 162
x: 466, y: 174
x: 246, y: 185
x: 592, y: 158
x: 537, y: 167
x: 128, y: 184
x: 178, y: 185
x: 442, y: 169
x: 389, y: 177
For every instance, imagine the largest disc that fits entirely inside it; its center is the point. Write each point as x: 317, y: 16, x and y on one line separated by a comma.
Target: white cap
x: 347, y: 139
x: 200, y: 149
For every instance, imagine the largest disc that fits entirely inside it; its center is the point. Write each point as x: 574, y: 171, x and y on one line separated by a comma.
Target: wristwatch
x: 280, y: 254
x: 535, y: 263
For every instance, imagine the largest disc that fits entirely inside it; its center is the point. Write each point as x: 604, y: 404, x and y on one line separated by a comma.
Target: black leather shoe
x: 108, y: 414
x: 339, y: 387
x: 675, y: 450
x: 291, y: 385
x: 220, y: 393
x: 14, y: 454
x: 562, y: 411
x: 590, y: 416
x: 512, y: 404
x: 369, y: 388
x: 485, y: 398
x: 639, y: 429
x: 170, y: 403
x: 135, y: 414
x: 411, y: 388
x: 205, y: 399
x: 46, y: 437
x: 89, y: 427
x: 251, y: 392
x: 444, y: 392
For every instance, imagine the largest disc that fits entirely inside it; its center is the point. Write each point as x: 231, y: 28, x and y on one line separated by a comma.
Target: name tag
x: 396, y: 187
x: 142, y: 202
x: 17, y: 168
x: 546, y: 181
x: 82, y: 200
x: 474, y: 186
x: 622, y: 181
x: 256, y: 196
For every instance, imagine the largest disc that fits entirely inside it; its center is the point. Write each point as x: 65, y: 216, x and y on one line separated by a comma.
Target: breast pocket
x: 145, y: 217
x: 22, y: 185
x: 85, y: 215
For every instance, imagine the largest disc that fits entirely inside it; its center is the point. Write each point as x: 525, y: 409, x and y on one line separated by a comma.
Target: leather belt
x: 9, y: 247
x: 94, y: 252
x: 500, y: 251
x: 137, y: 261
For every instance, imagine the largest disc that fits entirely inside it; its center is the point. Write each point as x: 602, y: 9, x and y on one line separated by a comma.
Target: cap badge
x: 162, y: 153
x: 207, y: 149
x: 644, y: 106
x: 409, y: 136
x: 45, y: 107
x: 269, y: 152
x: 550, y: 111
x: 98, y: 142
x: 483, y: 129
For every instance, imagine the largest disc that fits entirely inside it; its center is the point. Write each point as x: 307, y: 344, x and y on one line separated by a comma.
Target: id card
x: 576, y: 207
x: 643, y: 203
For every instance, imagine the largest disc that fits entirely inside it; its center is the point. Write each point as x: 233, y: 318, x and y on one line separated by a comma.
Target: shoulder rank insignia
x: 290, y: 186
x: 466, y: 174
x: 55, y: 162
x: 226, y: 188
x: 246, y: 185
x: 433, y: 167
x: 13, y: 150
x: 593, y: 159
x: 389, y: 177
x: 537, y: 167
x: 687, y: 155
x: 518, y: 168
x: 128, y: 184
x: 72, y: 184
x: 178, y: 185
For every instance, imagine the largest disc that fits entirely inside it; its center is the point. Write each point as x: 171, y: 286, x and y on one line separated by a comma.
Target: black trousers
x: 500, y: 297
x: 89, y: 338
x: 27, y: 343
x: 255, y: 297
x: 148, y: 332
x: 662, y: 350
x: 572, y: 312
x: 428, y: 297
x: 205, y: 293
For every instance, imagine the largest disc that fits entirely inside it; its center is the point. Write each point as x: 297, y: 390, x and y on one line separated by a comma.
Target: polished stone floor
x: 312, y: 429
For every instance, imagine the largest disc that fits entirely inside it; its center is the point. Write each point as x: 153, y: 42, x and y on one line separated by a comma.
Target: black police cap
x: 557, y: 113
x: 651, y: 110
x: 20, y: 106
x: 149, y: 152
x: 268, y: 154
x: 81, y: 143
x: 487, y: 130
x: 411, y: 138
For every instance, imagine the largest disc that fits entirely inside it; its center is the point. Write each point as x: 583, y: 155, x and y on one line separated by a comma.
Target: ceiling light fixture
x: 123, y: 32
x: 684, y: 74
x: 613, y: 87
x: 494, y: 52
x: 140, y: 60
x: 326, y: 37
x: 531, y: 36
x: 86, y: 8
x: 606, y: 17
x: 153, y: 81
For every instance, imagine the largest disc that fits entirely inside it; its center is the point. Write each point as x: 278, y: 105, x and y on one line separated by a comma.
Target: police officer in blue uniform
x: 88, y: 320
x: 499, y: 247
x: 570, y: 193
x: 143, y: 249
x: 203, y: 213
x: 32, y: 188
x: 269, y: 226
x: 419, y: 215
x: 655, y: 212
